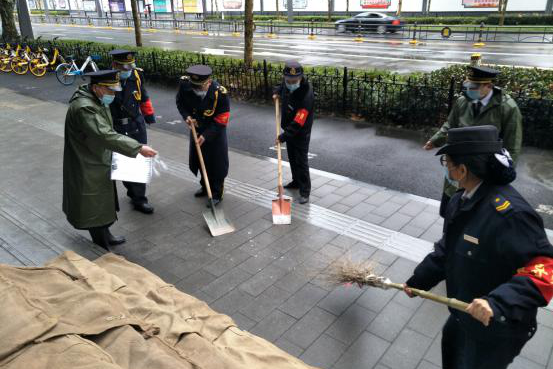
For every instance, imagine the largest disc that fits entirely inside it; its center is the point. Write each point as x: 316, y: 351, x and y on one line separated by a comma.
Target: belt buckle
x: 124, y: 121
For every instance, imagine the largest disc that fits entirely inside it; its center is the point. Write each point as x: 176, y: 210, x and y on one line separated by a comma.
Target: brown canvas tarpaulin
x: 112, y: 313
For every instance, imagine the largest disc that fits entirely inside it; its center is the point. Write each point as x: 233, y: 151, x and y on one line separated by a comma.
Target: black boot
x: 202, y: 192
x: 144, y: 207
x: 291, y: 186
x: 114, y: 240
x: 99, y: 237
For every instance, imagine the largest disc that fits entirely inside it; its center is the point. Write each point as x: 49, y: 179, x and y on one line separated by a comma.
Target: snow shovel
x: 281, y: 206
x: 215, y: 218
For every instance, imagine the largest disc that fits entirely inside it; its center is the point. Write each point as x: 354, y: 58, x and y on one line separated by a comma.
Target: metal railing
x: 462, y: 33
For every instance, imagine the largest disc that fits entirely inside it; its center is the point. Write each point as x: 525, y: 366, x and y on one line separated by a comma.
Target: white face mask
x: 200, y: 93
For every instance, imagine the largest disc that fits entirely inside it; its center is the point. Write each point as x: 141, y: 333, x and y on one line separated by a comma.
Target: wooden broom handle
x: 202, y: 164
x: 451, y: 302
x: 279, y: 153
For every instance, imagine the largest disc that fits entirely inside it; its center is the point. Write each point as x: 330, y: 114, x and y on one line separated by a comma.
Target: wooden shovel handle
x: 279, y: 153
x: 451, y: 302
x: 202, y: 164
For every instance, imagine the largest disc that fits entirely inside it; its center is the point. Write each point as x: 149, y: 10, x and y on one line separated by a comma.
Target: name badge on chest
x: 470, y: 239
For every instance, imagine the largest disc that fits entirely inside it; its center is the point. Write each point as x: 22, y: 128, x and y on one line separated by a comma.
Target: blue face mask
x: 473, y: 94
x: 107, y: 99
x: 126, y: 74
x: 199, y: 93
x: 449, y: 179
x: 292, y: 86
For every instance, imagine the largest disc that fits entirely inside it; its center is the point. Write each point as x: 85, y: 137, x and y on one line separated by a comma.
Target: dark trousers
x: 217, y: 187
x: 443, y: 204
x: 100, y: 235
x: 462, y: 351
x: 137, y: 192
x: 297, y: 155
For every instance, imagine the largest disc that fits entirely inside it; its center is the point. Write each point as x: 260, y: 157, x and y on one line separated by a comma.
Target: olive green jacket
x: 89, y: 197
x: 501, y: 112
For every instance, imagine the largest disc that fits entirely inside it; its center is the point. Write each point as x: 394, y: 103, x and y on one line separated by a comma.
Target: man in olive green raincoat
x: 482, y: 103
x: 89, y: 195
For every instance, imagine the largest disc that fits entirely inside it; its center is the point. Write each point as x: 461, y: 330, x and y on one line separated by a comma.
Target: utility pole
x: 290, y: 6
x: 136, y: 21
x: 24, y: 17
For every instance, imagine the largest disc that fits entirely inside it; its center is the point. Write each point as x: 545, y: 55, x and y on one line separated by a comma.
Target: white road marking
x: 104, y: 38
x: 173, y: 122
x: 213, y: 51
x: 545, y: 209
x: 163, y: 42
x: 310, y: 155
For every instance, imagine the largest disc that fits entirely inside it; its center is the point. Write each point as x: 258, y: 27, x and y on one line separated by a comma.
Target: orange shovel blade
x: 282, y: 210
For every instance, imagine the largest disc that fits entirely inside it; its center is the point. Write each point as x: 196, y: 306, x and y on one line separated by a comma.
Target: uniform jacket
x: 88, y: 192
x: 494, y: 246
x: 296, y: 112
x: 213, y: 115
x: 501, y: 112
x: 133, y: 103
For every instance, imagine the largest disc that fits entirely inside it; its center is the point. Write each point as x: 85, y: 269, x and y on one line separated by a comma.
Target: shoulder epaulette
x: 139, y: 69
x: 222, y: 89
x: 501, y: 204
x: 184, y: 78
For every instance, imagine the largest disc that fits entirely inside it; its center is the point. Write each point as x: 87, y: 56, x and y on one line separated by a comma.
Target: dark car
x: 370, y: 21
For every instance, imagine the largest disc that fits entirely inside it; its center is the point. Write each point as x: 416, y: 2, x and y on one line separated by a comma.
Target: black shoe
x: 215, y: 202
x: 303, y: 199
x: 115, y: 240
x: 200, y: 193
x: 292, y: 186
x: 144, y: 208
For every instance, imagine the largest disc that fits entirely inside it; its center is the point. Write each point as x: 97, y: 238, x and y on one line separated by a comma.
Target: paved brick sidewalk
x: 266, y: 278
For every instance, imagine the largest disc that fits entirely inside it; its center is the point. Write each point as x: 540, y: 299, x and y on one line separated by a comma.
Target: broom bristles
x: 347, y: 271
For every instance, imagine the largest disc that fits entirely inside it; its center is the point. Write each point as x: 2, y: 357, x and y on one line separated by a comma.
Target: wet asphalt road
x: 380, y: 53
x: 352, y: 149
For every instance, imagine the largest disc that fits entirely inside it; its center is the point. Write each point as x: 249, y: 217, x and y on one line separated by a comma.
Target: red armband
x: 540, y: 272
x: 301, y: 117
x: 222, y: 118
x: 147, y: 108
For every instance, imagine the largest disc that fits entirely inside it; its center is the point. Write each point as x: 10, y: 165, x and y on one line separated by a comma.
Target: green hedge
x: 51, y: 12
x: 492, y: 19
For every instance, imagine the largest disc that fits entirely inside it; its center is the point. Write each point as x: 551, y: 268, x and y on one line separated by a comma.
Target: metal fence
x: 462, y: 33
x: 417, y: 103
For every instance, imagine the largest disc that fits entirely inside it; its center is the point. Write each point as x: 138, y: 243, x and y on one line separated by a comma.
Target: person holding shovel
x: 205, y: 104
x: 494, y: 254
x: 297, y: 100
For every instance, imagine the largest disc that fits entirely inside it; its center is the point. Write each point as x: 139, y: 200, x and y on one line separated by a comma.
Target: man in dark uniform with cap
x: 297, y: 100
x: 494, y: 254
x: 89, y: 194
x: 203, y: 102
x: 131, y: 109
x: 482, y: 103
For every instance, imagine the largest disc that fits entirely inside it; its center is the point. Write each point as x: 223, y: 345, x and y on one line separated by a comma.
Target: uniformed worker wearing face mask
x: 296, y: 103
x: 482, y: 103
x: 494, y: 254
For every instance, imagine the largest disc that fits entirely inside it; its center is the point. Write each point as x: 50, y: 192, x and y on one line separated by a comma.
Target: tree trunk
x: 277, y: 11
x: 347, y: 7
x: 502, y: 10
x: 9, y: 31
x: 248, y: 34
x: 136, y: 21
x: 330, y: 10
x: 398, y: 13
x: 428, y: 7
x: 24, y: 17
x: 173, y: 9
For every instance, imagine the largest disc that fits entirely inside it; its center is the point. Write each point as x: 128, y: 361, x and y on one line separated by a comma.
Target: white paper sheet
x: 139, y: 169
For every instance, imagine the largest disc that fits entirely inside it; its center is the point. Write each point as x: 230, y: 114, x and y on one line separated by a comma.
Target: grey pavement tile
x: 265, y: 303
x: 424, y: 219
x: 379, y: 198
x: 340, y: 208
x: 365, y: 352
x: 231, y: 302
x: 344, y: 242
x: 360, y: 252
x: 7, y: 258
x: 353, y: 199
x: 226, y: 282
x: 360, y: 210
x: 259, y: 261
x: 325, y: 190
x: 262, y: 280
x: 306, y: 330
x: 523, y: 363
x: 375, y: 299
x: 289, y: 347
x: 273, y: 326
x: 243, y: 322
x: 333, y: 252
x: 390, y: 321
x: 346, y: 189
x: 326, y: 201
x: 195, y: 281
x: 384, y: 257
x: 386, y: 209
x: 412, y: 231
x: 324, y: 352
x: 400, y: 199
x: 351, y: 324
x: 373, y: 218
x: 396, y: 221
x: 401, y: 270
x: 434, y: 353
x: 412, y: 208
x: 224, y: 264
x: 293, y: 281
x: 427, y: 365
x: 433, y: 234
x: 303, y: 300
x: 429, y: 319
x: 337, y: 301
x: 410, y: 303
x: 293, y: 258
x: 258, y: 243
x: 318, y: 181
x: 407, y: 350
x: 539, y: 347
x: 545, y: 317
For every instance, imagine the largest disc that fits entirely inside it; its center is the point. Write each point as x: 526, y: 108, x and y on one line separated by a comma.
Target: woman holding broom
x: 494, y: 254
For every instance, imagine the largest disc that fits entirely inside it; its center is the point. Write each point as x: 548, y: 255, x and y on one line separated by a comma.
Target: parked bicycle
x: 20, y: 63
x: 66, y: 73
x: 40, y: 64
